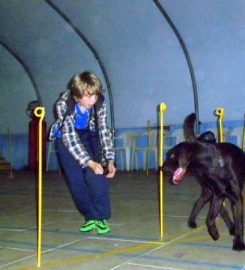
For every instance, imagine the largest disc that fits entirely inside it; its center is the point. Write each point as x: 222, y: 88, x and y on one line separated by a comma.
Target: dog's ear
x: 188, y: 127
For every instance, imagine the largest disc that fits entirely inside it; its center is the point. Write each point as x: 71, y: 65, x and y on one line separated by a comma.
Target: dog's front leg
x: 237, y: 209
x: 198, y: 205
x: 213, y: 212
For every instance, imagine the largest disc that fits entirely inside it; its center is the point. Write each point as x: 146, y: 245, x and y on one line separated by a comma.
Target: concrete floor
x: 134, y: 242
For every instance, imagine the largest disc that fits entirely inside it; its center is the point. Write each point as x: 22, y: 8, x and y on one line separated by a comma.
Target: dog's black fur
x: 220, y: 170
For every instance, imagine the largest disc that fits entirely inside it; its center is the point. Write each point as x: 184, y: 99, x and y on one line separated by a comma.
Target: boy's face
x: 87, y: 101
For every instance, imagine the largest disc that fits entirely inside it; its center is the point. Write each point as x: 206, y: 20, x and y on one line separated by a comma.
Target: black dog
x: 220, y: 170
x: 206, y: 195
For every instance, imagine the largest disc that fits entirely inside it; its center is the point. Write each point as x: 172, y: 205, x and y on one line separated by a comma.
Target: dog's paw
x: 192, y: 224
x: 215, y: 236
x: 214, y: 233
x: 238, y: 245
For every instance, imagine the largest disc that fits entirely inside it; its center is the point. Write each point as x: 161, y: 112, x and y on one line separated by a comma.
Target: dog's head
x: 178, y: 159
x: 196, y: 155
x: 186, y: 157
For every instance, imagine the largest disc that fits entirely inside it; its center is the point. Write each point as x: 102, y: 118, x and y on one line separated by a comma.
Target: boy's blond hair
x: 85, y: 83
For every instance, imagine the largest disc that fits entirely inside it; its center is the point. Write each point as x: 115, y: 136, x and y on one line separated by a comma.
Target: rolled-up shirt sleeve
x: 69, y: 136
x: 106, y: 135
x: 73, y: 142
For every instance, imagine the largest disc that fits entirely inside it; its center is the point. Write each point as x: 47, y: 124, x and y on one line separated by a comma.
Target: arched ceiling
x: 141, y: 54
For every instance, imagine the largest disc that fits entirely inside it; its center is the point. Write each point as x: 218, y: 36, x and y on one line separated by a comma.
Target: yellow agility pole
x: 220, y: 113
x: 39, y: 112
x: 163, y: 107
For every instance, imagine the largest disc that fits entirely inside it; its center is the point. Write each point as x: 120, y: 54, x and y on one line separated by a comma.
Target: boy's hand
x: 96, y: 167
x: 111, y: 169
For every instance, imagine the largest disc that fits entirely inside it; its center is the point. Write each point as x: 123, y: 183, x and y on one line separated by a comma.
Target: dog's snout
x: 167, y: 167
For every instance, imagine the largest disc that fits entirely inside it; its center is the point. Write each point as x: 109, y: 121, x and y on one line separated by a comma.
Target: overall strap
x: 70, y: 103
x: 97, y: 106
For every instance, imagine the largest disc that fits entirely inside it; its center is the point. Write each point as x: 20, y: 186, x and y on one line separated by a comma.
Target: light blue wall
x: 215, y: 36
x: 16, y: 91
x: 142, y: 56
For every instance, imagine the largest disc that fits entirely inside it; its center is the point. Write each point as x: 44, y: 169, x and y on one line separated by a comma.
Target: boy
x: 85, y: 149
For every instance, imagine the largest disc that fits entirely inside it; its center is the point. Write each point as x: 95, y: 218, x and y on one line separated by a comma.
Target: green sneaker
x: 88, y: 226
x: 102, y: 226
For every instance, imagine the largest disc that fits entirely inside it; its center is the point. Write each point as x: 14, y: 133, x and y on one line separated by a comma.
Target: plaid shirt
x: 70, y: 137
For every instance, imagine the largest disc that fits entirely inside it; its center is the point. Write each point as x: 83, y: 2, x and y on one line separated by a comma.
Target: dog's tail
x: 188, y: 127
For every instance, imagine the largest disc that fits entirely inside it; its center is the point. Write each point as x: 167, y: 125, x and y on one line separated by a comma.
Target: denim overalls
x: 90, y: 191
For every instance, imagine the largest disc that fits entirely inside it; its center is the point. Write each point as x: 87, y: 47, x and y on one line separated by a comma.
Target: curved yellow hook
x: 220, y: 112
x: 40, y: 112
x: 163, y: 106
